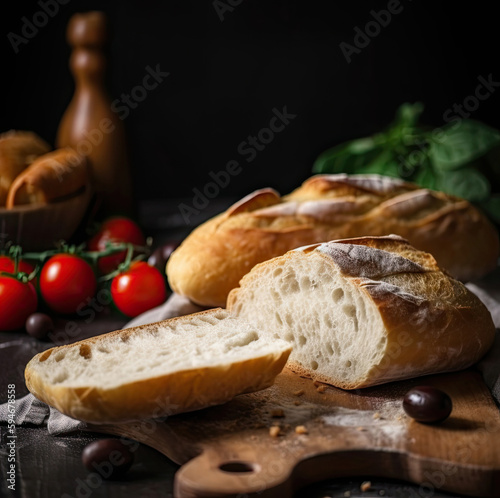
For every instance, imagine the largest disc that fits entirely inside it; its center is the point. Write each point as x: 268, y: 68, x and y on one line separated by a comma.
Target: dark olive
x: 39, y: 325
x: 110, y: 458
x: 160, y: 256
x: 427, y: 404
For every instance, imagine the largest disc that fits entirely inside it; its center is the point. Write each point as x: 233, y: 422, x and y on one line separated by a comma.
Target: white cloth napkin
x: 30, y: 410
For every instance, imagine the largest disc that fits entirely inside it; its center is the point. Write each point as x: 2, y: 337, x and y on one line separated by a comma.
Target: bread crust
x: 18, y: 149
x: 433, y: 322
x: 181, y: 391
x: 213, y: 258
x: 58, y: 174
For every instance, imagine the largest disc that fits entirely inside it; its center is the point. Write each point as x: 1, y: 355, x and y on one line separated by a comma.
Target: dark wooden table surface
x: 50, y: 466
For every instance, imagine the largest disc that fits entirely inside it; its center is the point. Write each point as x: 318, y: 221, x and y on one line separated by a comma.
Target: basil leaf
x: 347, y: 157
x: 390, y: 168
x: 361, y: 145
x: 382, y: 164
x: 461, y: 144
x: 408, y: 115
x: 426, y: 177
x: 467, y: 183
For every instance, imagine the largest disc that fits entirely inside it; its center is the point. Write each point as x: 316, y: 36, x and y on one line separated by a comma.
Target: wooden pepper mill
x: 89, y: 125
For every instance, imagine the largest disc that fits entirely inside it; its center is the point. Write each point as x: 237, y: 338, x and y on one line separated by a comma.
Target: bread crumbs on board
x: 277, y: 412
x: 275, y: 431
x: 365, y: 486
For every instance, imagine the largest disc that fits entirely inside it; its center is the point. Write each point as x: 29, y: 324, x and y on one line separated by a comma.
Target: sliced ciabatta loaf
x: 365, y: 311
x: 174, y: 366
x: 213, y: 258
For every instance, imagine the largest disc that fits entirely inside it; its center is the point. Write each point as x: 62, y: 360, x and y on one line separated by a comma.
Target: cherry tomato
x: 18, y: 300
x: 66, y: 282
x: 7, y: 265
x: 138, y: 289
x: 117, y: 229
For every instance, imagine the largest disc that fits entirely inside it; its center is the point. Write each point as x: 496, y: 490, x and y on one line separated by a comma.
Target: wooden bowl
x: 38, y: 226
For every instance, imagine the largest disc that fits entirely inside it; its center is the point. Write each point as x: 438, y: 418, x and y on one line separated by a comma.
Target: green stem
x: 122, y: 267
x: 112, y: 248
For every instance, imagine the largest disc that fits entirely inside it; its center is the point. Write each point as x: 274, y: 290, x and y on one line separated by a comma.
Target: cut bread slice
x: 365, y: 311
x: 159, y: 369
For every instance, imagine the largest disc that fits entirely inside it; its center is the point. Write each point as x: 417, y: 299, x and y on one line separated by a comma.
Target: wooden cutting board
x: 228, y: 450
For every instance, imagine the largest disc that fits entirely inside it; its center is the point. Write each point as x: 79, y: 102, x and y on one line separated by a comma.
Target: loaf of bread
x: 174, y: 366
x: 357, y: 313
x: 56, y: 175
x: 365, y: 311
x: 18, y: 149
x: 213, y: 258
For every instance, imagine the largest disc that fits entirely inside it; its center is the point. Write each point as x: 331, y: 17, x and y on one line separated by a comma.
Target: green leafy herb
x: 461, y: 158
x: 462, y: 143
x: 466, y: 183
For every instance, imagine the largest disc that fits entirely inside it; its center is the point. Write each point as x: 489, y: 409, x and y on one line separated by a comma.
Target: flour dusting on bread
x: 361, y: 312
x: 264, y: 225
x: 368, y: 262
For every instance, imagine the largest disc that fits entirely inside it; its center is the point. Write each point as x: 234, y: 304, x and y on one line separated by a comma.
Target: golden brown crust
x: 18, y: 149
x: 212, y: 259
x: 433, y: 322
x: 178, y: 392
x: 53, y: 176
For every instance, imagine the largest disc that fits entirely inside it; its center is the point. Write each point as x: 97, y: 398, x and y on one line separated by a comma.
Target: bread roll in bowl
x: 18, y: 149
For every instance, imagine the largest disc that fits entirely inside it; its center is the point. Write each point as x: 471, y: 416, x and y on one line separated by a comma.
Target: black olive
x: 39, y: 325
x: 160, y: 256
x: 110, y: 458
x: 427, y: 404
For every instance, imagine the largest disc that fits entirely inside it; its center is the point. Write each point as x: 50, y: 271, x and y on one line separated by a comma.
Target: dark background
x: 226, y: 78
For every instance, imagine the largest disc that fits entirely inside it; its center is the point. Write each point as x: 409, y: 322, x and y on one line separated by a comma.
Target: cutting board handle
x: 245, y: 472
x: 228, y: 451
x: 265, y: 474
